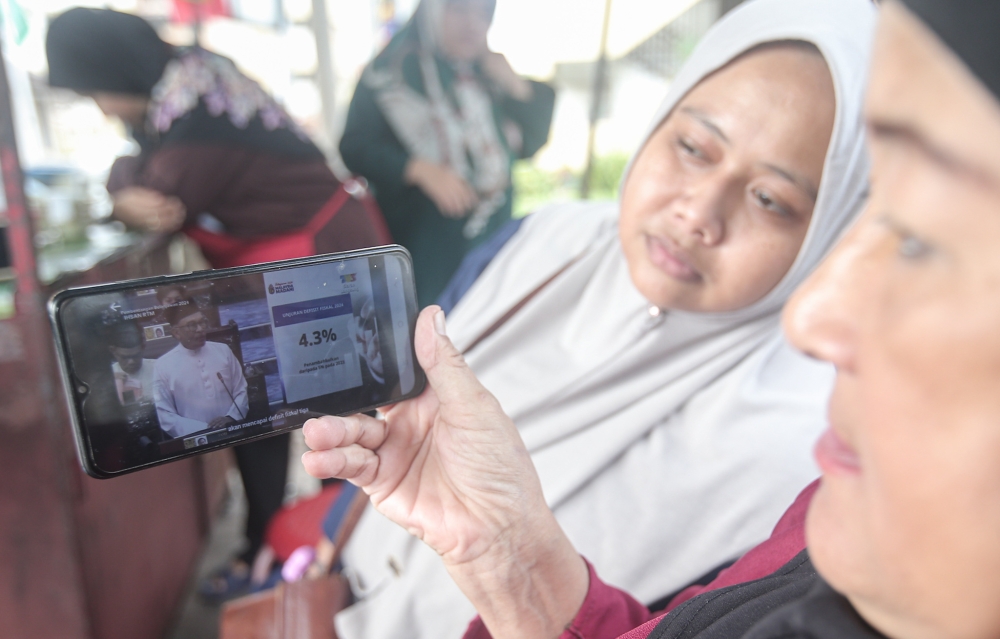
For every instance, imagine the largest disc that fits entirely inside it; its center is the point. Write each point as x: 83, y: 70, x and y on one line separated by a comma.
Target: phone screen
x: 189, y: 365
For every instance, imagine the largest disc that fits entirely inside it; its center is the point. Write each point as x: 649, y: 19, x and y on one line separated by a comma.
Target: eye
x: 767, y: 202
x: 688, y: 147
x: 912, y: 248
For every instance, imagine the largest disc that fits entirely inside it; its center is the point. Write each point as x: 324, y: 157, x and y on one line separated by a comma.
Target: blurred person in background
x: 220, y: 160
x: 435, y: 124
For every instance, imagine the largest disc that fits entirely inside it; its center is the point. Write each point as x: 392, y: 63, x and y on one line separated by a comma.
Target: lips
x: 835, y: 456
x: 670, y: 259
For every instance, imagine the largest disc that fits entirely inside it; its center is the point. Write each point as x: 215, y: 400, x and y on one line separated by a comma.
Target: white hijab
x: 665, y: 444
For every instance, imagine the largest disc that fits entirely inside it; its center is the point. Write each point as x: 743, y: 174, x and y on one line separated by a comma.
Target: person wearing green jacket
x: 435, y: 124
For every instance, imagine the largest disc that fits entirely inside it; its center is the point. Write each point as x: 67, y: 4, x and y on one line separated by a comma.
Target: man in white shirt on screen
x: 198, y: 385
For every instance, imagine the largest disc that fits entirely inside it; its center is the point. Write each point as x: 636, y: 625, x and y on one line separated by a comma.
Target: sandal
x: 225, y: 584
x: 273, y: 579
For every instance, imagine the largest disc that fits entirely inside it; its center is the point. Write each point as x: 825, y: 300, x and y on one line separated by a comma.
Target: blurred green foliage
x: 606, y: 176
x: 534, y: 187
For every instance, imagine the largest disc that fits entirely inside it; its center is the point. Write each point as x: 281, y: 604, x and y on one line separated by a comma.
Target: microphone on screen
x: 242, y: 416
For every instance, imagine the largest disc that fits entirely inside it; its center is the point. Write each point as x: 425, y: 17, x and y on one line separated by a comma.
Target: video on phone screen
x: 177, y: 367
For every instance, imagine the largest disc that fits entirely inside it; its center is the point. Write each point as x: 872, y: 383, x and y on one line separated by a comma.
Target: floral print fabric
x: 201, y: 75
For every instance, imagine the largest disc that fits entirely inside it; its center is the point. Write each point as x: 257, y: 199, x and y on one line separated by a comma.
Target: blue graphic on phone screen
x: 315, y: 313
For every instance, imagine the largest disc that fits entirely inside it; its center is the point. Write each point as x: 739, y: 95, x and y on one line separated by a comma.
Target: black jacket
x: 792, y: 603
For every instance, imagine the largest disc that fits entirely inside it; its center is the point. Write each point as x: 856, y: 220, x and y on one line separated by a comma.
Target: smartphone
x: 163, y: 368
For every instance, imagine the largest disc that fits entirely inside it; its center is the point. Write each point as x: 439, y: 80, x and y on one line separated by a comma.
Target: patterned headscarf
x: 449, y: 123
x: 196, y: 96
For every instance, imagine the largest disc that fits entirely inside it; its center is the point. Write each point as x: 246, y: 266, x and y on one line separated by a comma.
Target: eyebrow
x: 707, y: 121
x: 889, y: 130
x: 802, y: 182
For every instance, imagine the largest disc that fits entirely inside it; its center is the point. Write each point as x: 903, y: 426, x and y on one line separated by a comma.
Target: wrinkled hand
x: 497, y: 68
x: 451, y: 194
x: 148, y: 209
x: 450, y: 467
x: 221, y: 422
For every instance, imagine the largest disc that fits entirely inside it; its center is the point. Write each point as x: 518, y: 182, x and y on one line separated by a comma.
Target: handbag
x: 299, y: 610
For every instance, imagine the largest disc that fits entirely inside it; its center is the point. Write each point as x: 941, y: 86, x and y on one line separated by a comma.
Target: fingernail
x: 439, y: 325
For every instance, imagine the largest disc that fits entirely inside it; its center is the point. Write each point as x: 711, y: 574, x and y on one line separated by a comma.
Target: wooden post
x: 325, y: 74
x: 596, y: 99
x: 41, y: 593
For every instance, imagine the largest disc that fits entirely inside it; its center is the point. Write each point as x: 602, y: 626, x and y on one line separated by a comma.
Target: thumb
x: 447, y: 373
x: 177, y: 205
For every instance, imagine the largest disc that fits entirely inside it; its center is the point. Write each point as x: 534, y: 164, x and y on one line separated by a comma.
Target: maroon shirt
x: 253, y: 193
x: 608, y: 612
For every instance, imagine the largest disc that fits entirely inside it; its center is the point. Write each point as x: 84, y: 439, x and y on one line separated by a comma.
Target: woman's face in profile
x: 718, y: 201
x: 130, y: 109
x: 907, y: 521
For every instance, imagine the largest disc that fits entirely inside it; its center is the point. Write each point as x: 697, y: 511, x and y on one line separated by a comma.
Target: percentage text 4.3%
x: 317, y: 337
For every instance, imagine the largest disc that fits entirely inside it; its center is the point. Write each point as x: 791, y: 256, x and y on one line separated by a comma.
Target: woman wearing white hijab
x: 658, y: 428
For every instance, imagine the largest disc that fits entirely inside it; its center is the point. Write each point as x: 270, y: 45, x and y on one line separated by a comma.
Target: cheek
x: 450, y: 34
x: 930, y: 509
x: 461, y: 38
x: 654, y: 183
x: 935, y: 444
x: 630, y: 229
x: 920, y: 523
x: 753, y: 261
x: 479, y: 30
x: 645, y: 207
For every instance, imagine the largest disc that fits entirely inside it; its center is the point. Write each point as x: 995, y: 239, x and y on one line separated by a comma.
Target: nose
x: 701, y: 212
x: 821, y: 319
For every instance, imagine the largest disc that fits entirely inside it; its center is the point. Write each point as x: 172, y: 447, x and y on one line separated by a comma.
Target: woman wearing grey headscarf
x: 435, y: 123
x: 636, y: 344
